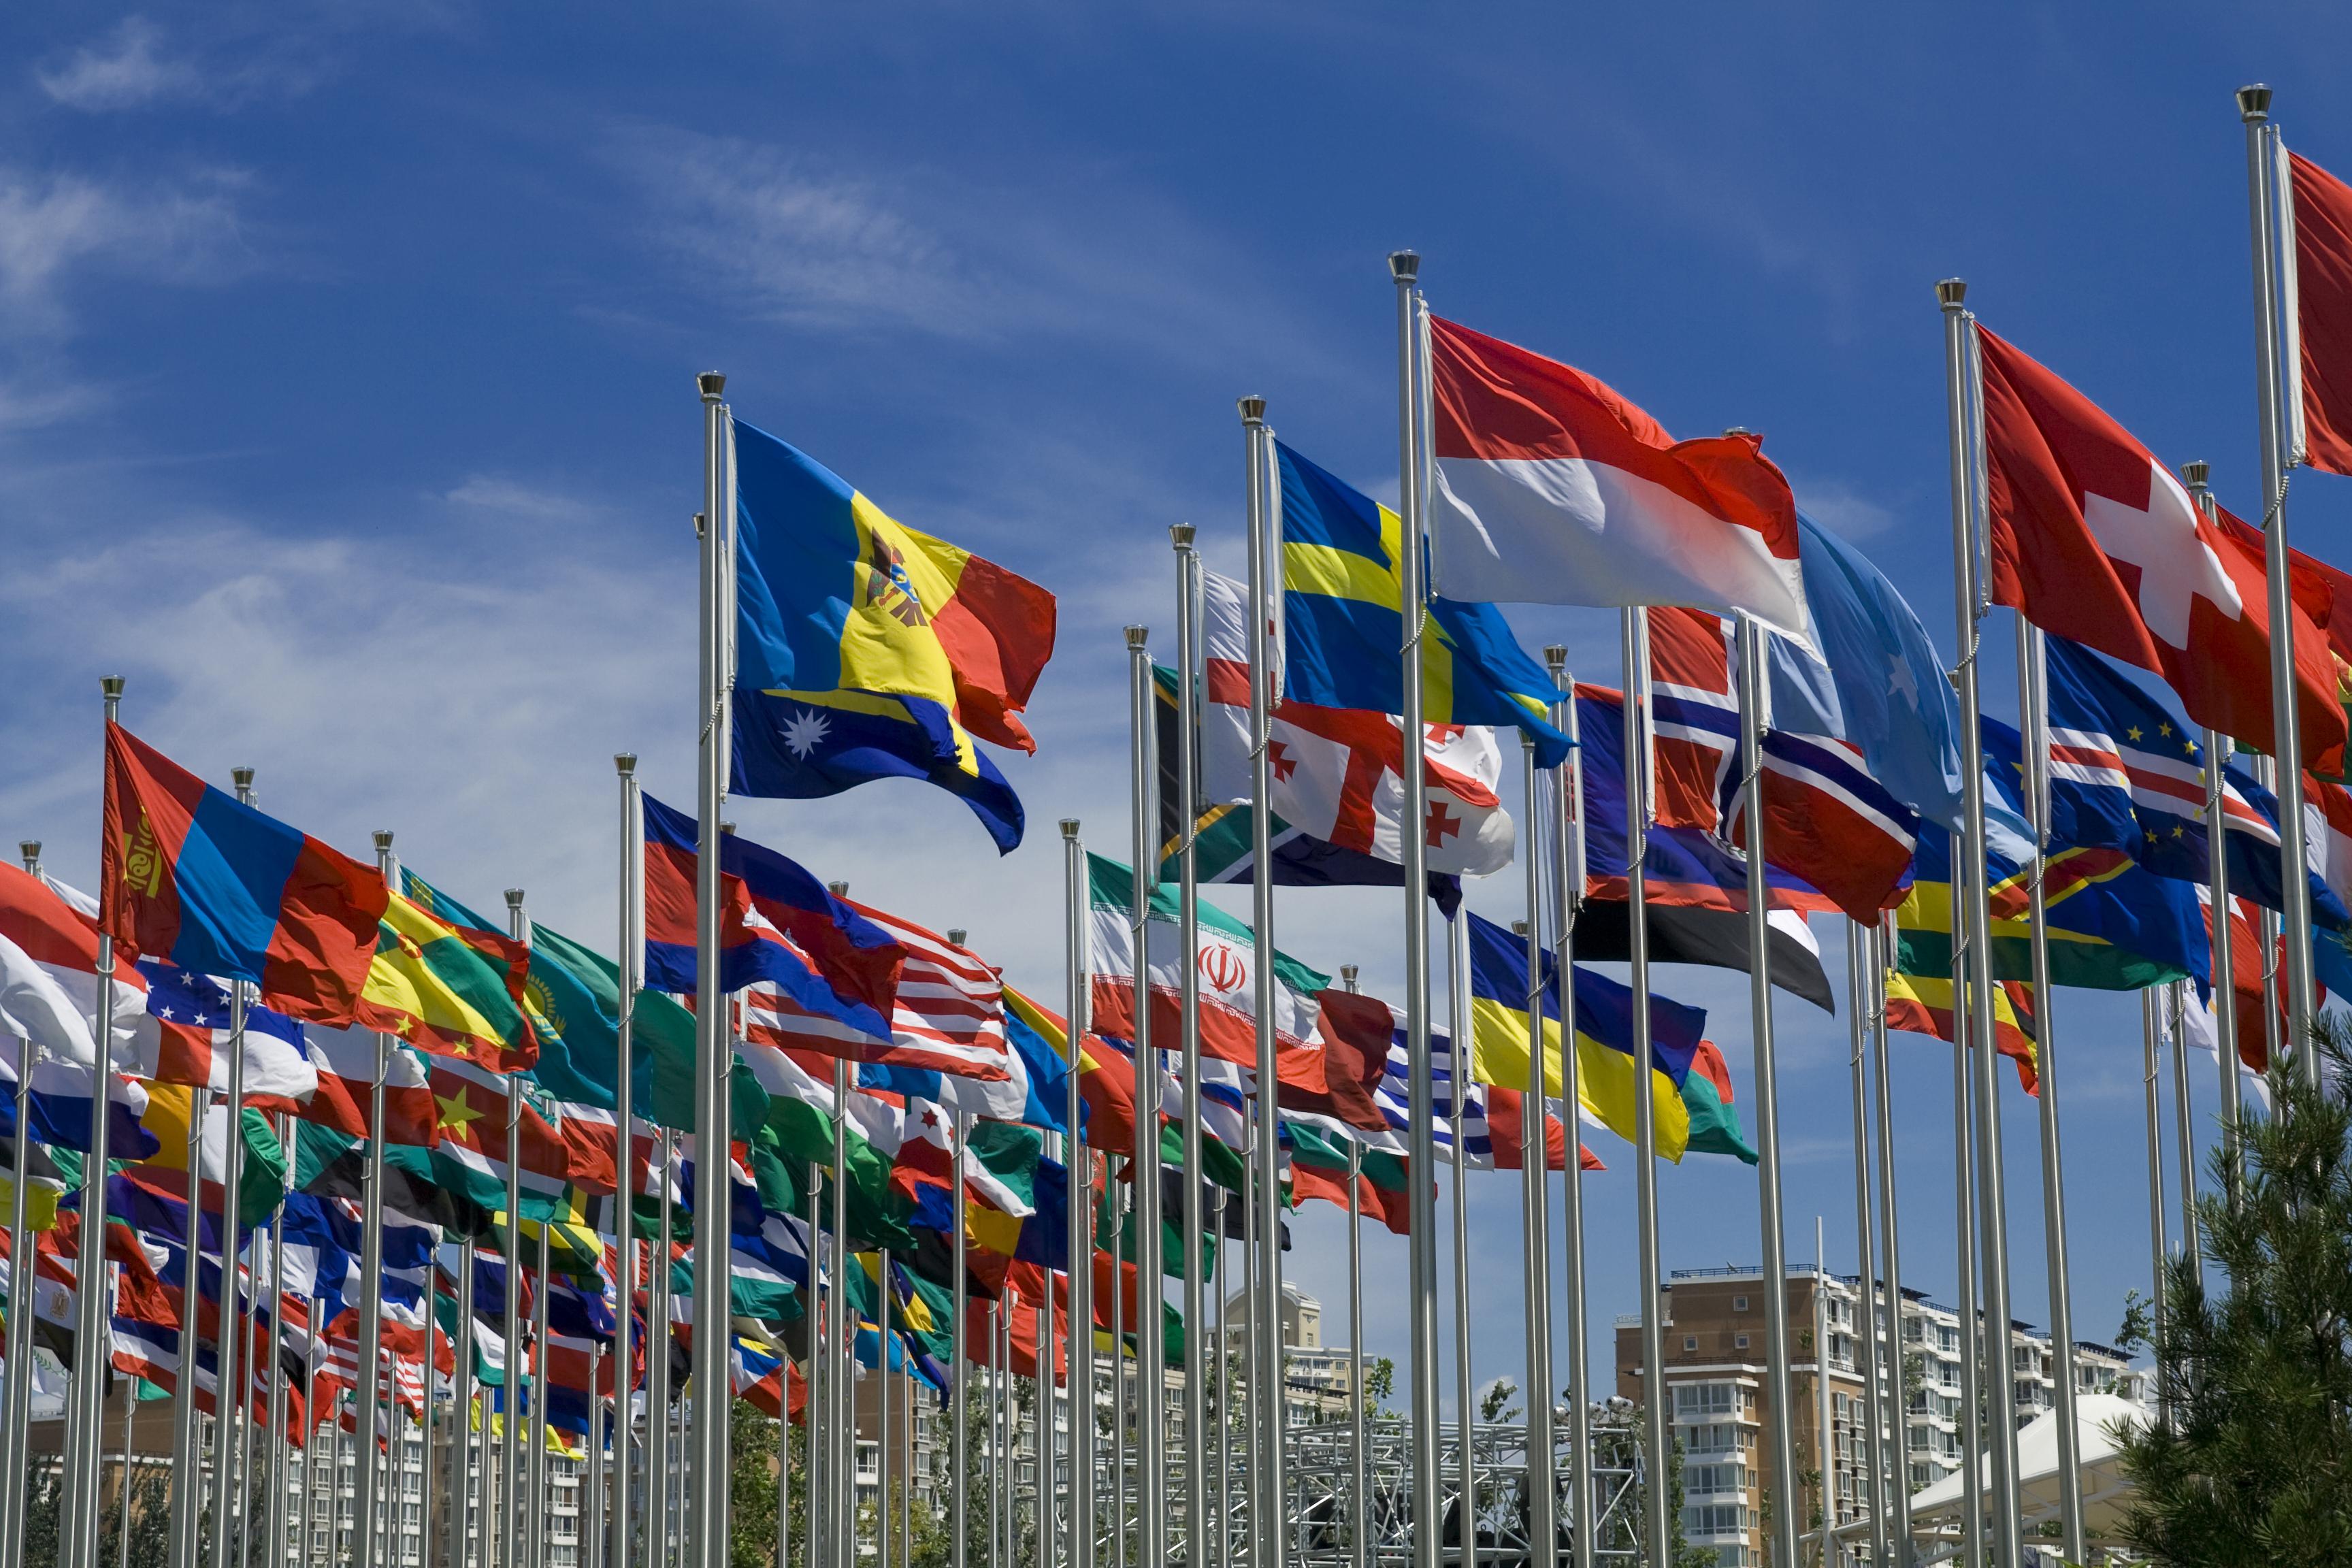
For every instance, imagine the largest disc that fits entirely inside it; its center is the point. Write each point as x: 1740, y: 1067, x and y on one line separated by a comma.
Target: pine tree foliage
x: 2255, y: 1464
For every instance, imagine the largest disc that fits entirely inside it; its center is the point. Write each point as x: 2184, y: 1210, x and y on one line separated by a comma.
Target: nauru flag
x: 1551, y: 489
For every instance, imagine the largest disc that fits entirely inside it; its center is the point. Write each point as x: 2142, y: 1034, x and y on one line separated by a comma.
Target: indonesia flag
x: 2319, y: 223
x: 2093, y: 540
x: 1551, y: 489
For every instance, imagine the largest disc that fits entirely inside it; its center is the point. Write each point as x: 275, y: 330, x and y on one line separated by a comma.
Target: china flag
x: 2093, y: 540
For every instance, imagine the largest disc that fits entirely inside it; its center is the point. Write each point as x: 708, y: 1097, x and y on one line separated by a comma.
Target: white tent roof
x: 2105, y: 1489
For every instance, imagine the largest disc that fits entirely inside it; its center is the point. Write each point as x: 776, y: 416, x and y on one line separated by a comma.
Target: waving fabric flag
x: 189, y: 1041
x: 1343, y: 622
x: 1922, y: 1004
x: 193, y: 876
x: 2320, y: 217
x: 1339, y: 773
x: 1553, y: 490
x: 2093, y: 540
x: 806, y: 745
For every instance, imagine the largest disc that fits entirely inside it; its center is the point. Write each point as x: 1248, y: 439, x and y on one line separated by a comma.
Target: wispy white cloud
x: 127, y: 69
x: 53, y: 225
x: 1841, y: 508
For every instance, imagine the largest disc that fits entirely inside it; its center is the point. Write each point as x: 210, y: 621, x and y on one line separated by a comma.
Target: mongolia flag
x: 193, y: 876
x: 1551, y: 489
x: 1604, y: 1038
x: 2093, y: 539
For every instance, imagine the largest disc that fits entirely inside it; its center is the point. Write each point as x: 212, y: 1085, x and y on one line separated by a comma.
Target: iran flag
x: 1551, y: 489
x: 1337, y: 773
x: 2093, y: 540
x: 1226, y: 966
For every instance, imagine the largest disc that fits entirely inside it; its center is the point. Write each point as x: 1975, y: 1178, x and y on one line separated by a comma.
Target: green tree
x: 1495, y: 1404
x: 2255, y: 1464
x: 752, y: 1488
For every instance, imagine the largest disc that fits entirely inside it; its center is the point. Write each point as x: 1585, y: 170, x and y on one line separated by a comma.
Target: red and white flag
x: 1337, y: 773
x: 1551, y: 489
x: 2093, y: 540
x: 949, y: 1016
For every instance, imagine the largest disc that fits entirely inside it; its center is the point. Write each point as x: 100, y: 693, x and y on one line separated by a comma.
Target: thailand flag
x: 1551, y: 489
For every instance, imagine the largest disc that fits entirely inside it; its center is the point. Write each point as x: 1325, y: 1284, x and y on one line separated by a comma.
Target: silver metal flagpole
x: 1221, y: 1373
x: 78, y: 1528
x: 1187, y: 1002
x: 882, y: 1410
x: 1459, y: 1028
x: 2158, y: 1245
x: 815, y: 1461
x: 2034, y: 705
x: 280, y: 1449
x: 425, y: 1445
x: 1567, y: 898
x: 2274, y: 340
x: 231, y: 1485
x: 2183, y: 1128
x: 16, y: 1424
x: 1857, y: 1008
x: 1543, y: 1524
x: 460, y: 1486
x: 1077, y: 972
x: 2218, y: 748
x: 1753, y: 722
x: 1359, y: 1506
x: 540, y: 1502
x: 533, y: 1523
x: 959, y: 1423
x: 658, y: 1340
x: 1404, y: 268
x: 707, y: 1524
x: 1968, y: 431
x: 1964, y: 1227
x: 1654, y: 1448
x: 1047, y: 1444
x: 632, y: 967
x: 1265, y: 592
x: 841, y: 1460
x: 1898, y: 1462
x: 1151, y: 1288
x: 992, y: 1449
x: 187, y: 1429
x: 363, y: 1541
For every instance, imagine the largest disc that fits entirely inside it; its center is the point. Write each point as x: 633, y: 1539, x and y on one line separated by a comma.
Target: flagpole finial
x: 1180, y: 535
x: 838, y: 889
x: 241, y: 779
x: 1404, y: 266
x: 1738, y: 430
x: 1253, y: 409
x: 711, y: 384
x: 2254, y: 101
x: 1518, y: 928
x: 957, y: 936
x: 1138, y: 638
x: 110, y: 688
x: 1556, y: 660
x: 1952, y: 293
x: 625, y: 764
x: 2195, y: 475
x: 30, y: 848
x: 1347, y: 973
x: 1070, y: 829
x: 514, y: 895
x: 383, y: 837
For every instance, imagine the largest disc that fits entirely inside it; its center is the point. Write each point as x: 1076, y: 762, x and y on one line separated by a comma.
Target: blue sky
x: 346, y: 400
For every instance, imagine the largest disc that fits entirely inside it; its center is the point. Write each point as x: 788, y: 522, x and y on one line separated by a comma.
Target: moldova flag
x: 193, y: 876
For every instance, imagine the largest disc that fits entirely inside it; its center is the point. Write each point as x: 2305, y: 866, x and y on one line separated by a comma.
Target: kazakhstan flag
x: 1343, y: 624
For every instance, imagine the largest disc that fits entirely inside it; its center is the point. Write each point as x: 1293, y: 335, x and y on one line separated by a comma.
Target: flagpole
x: 1655, y: 1451
x: 1404, y: 269
x: 1964, y: 1227
x: 1188, y: 1029
x: 2158, y: 1245
x: 1040, y: 1393
x: 1534, y: 1141
x: 632, y: 966
x: 370, y: 1348
x: 425, y: 1443
x: 2274, y: 339
x: 2033, y: 704
x: 1151, y: 1285
x: 1265, y: 592
x: 1753, y: 722
x: 1459, y: 1028
x: 78, y: 1526
x: 1077, y: 978
x: 229, y: 1402
x: 187, y: 1429
x: 882, y: 1409
x: 2218, y: 748
x: 1965, y: 380
x: 1359, y: 1480
x: 539, y: 1476
x: 841, y: 1456
x: 459, y: 1484
x: 706, y: 1525
x: 1223, y: 1555
x: 16, y: 1424
x: 280, y: 1449
x: 1858, y: 1029
x: 658, y: 1347
x: 959, y: 1485
x: 1568, y: 905
x: 2183, y: 1131
x: 1898, y: 1461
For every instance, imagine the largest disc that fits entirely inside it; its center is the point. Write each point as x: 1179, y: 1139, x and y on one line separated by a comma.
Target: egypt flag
x: 1226, y: 961
x: 1552, y: 489
x: 2093, y: 539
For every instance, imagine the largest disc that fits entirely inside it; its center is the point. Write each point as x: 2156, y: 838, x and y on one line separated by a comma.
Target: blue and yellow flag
x: 1343, y: 621
x: 1604, y: 1038
x: 867, y: 649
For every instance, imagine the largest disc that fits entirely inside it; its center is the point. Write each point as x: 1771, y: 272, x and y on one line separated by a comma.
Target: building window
x: 1690, y: 1342
x: 1740, y: 1341
x: 1739, y: 1303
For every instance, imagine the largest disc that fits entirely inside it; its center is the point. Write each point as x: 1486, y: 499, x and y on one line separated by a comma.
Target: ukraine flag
x: 1604, y: 1038
x: 1343, y: 621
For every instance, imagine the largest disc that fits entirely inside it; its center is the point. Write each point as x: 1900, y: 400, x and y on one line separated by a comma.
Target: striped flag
x: 948, y: 1016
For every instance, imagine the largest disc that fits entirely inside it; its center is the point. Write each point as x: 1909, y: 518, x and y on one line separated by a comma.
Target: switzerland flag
x: 2093, y: 540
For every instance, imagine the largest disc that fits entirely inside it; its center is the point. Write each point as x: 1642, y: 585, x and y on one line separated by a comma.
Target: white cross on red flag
x: 2093, y: 540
